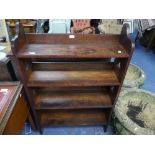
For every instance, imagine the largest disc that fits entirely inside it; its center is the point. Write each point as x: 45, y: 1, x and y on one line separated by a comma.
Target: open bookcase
x: 72, y: 79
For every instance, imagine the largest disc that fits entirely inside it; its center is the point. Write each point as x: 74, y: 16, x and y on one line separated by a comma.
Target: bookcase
x: 71, y: 79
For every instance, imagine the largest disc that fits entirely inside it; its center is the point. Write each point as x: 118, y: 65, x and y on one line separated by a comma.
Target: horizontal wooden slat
x: 78, y: 99
x: 106, y: 50
x: 72, y: 78
x: 46, y: 38
x: 73, y: 117
x: 71, y: 66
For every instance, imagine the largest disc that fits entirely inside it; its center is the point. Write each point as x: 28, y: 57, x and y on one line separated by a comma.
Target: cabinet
x: 13, y: 108
x: 72, y: 79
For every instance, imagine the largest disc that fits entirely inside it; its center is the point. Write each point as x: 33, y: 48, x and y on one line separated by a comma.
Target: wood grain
x: 72, y: 66
x: 65, y: 39
x: 106, y: 50
x: 17, y: 118
x: 14, y: 110
x: 57, y: 61
x: 72, y: 78
x: 72, y: 117
x: 77, y: 99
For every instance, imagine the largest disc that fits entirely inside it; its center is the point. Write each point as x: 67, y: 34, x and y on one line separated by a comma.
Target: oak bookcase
x: 72, y: 79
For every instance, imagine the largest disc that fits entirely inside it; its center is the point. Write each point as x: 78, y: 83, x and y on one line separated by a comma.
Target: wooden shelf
x: 72, y: 78
x: 107, y: 50
x: 73, y: 99
x: 73, y: 117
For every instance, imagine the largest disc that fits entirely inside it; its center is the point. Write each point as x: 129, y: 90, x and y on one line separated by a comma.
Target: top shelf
x: 30, y: 45
x: 106, y: 50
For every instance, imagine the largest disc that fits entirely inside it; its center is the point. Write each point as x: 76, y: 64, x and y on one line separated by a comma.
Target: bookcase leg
x: 105, y: 128
x: 40, y: 131
x: 31, y: 121
x: 39, y: 128
x: 33, y: 125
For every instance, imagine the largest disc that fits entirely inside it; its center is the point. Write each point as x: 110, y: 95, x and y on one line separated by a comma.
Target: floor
x: 145, y: 59
x: 141, y: 57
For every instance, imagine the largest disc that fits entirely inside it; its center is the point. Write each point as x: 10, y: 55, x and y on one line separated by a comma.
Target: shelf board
x: 72, y: 99
x: 105, y: 50
x: 73, y: 117
x: 72, y: 78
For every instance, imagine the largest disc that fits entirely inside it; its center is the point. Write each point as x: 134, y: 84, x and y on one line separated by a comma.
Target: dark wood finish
x: 7, y: 71
x: 16, y: 44
x: 73, y: 51
x: 73, y: 99
x: 13, y: 108
x: 72, y: 79
x: 72, y: 66
x: 121, y: 65
x: 73, y: 117
x: 65, y: 74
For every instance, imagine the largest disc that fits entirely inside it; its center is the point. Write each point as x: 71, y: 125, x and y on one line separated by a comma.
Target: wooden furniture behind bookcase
x: 68, y: 78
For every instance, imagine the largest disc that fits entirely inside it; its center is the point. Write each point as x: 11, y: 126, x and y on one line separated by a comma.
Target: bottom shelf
x: 74, y: 117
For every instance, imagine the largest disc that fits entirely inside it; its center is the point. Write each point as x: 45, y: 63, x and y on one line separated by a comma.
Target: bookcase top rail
x: 26, y: 45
